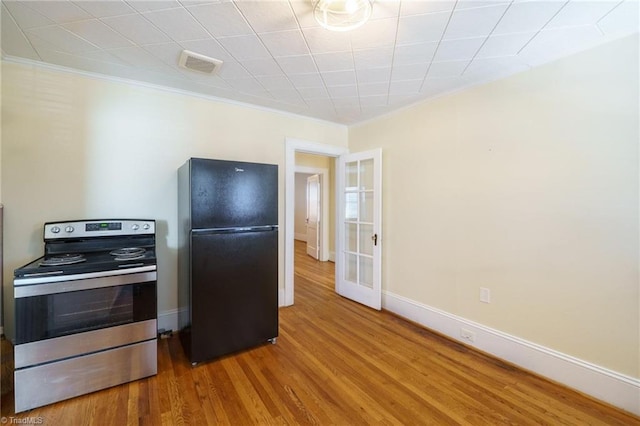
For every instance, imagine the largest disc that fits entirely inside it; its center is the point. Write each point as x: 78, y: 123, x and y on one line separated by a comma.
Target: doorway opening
x: 313, y: 199
x: 328, y: 153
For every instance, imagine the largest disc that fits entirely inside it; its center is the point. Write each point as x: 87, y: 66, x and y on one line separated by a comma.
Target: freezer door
x: 227, y: 194
x: 234, y: 292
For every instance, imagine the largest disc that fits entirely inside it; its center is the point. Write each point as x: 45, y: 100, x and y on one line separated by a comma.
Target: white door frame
x: 324, y: 206
x: 292, y: 146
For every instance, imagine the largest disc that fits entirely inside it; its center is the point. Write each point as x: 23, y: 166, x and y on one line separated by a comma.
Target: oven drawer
x: 58, y: 348
x: 48, y: 383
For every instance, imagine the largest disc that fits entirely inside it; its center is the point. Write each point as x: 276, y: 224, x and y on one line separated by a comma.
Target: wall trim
x: 300, y: 236
x: 168, y: 320
x: 596, y: 381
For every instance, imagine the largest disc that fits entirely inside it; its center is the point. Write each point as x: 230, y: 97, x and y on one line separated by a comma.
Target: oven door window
x: 61, y: 314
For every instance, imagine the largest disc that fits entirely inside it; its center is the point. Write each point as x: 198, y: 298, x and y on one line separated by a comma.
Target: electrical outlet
x: 467, y: 335
x: 485, y: 295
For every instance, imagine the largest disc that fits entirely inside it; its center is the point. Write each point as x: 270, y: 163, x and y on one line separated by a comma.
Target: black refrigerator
x: 227, y: 256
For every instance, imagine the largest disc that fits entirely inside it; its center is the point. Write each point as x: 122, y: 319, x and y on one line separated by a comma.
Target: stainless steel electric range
x: 85, y: 312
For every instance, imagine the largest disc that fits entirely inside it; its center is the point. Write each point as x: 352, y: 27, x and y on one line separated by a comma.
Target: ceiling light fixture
x: 342, y: 15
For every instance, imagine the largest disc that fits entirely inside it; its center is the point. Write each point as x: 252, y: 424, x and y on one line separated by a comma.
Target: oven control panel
x: 98, y: 228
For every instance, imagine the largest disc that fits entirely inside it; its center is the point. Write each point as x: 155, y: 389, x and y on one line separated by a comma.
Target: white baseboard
x: 598, y: 382
x: 332, y: 256
x: 168, y: 320
x: 300, y: 237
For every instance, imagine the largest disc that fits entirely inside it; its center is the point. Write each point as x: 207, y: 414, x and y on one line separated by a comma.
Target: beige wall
x: 313, y: 160
x: 78, y: 147
x: 529, y: 187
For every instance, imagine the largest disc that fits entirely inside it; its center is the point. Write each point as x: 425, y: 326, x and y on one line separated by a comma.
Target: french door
x: 358, y: 257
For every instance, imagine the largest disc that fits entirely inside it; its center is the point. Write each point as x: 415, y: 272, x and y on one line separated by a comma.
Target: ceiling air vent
x: 200, y: 63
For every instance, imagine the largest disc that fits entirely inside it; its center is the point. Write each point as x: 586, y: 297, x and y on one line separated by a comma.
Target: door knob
x: 374, y: 237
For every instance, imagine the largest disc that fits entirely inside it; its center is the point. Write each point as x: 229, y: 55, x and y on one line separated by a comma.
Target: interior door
x: 358, y: 262
x: 313, y: 216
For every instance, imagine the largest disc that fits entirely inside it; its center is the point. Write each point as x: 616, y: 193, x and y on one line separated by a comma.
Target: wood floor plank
x: 133, y: 404
x: 335, y: 363
x: 295, y: 385
x: 210, y: 400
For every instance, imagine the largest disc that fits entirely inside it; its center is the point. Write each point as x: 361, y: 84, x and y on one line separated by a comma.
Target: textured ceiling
x: 276, y: 56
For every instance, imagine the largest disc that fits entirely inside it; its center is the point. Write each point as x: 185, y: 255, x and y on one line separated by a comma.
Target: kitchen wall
x: 527, y: 186
x: 82, y: 147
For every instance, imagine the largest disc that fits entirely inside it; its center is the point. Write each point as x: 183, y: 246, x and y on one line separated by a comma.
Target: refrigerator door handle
x: 234, y: 230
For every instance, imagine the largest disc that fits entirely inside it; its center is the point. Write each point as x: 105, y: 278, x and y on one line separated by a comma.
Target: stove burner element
x: 128, y: 253
x: 63, y: 259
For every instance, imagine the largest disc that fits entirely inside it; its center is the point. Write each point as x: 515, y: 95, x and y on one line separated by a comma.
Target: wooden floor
x: 335, y: 362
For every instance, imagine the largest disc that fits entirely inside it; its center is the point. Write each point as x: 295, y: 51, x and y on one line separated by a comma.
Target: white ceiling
x: 276, y: 56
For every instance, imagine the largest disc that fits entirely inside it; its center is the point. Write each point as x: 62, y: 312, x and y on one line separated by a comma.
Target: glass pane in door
x: 366, y: 207
x: 351, y: 240
x: 351, y: 206
x: 366, y: 271
x: 351, y: 178
x: 366, y: 239
x: 351, y: 268
x: 366, y: 174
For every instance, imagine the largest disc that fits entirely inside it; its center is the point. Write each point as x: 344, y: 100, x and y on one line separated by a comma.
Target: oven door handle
x: 46, y: 279
x: 85, y: 284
